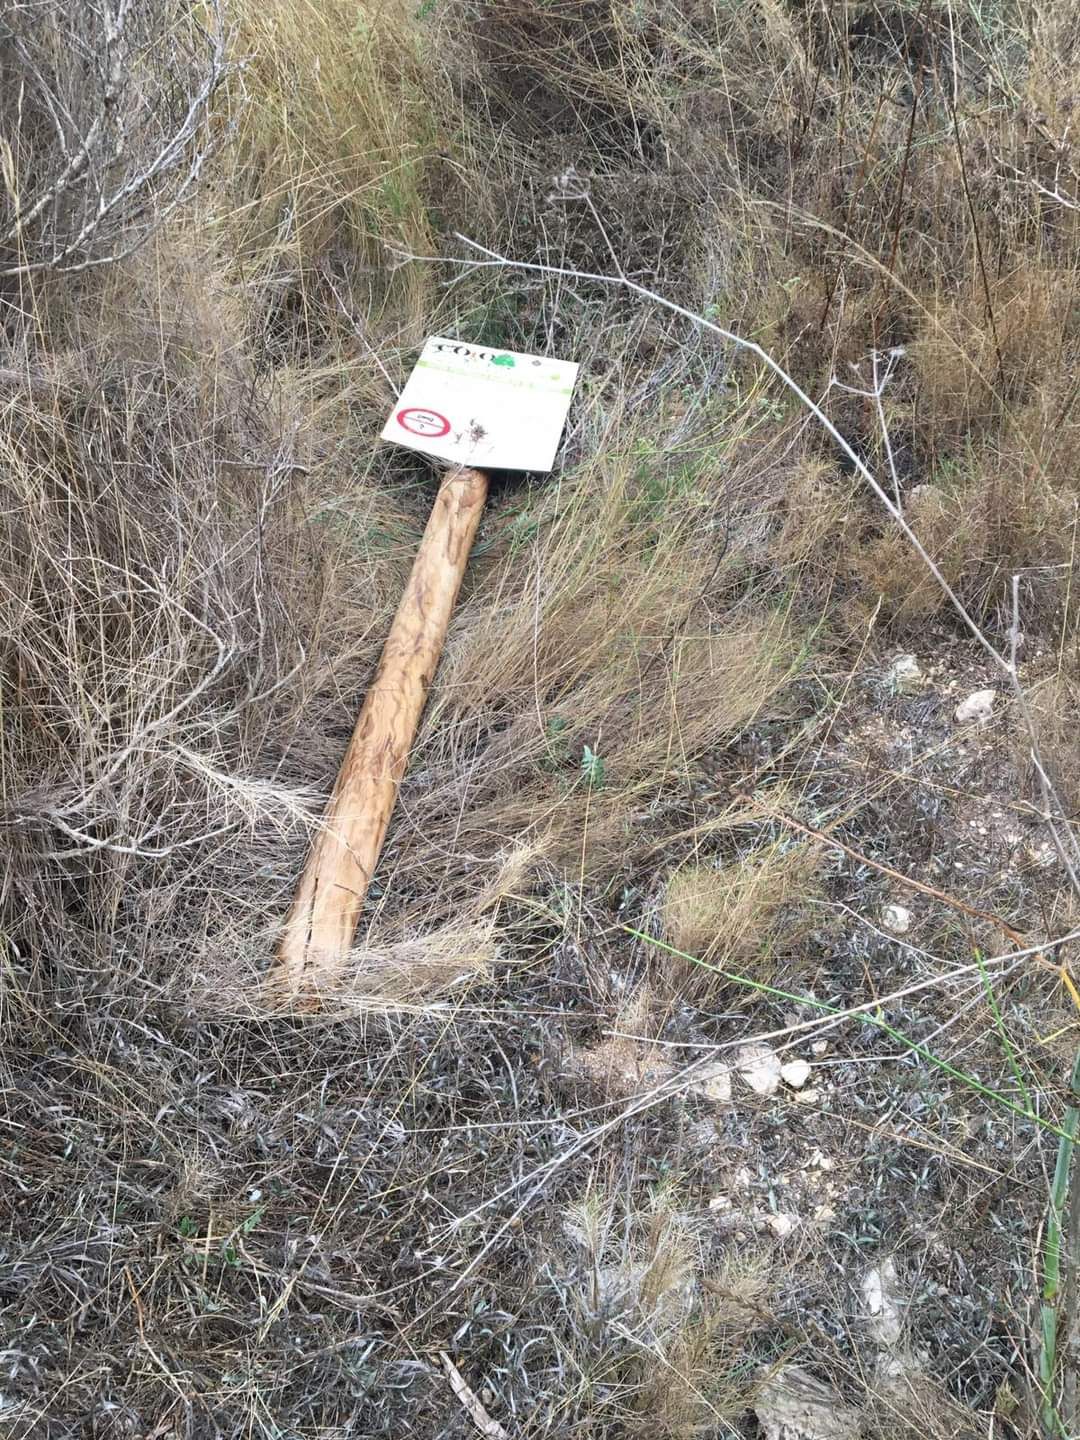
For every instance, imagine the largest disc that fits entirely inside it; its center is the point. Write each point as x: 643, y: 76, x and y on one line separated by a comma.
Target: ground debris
x: 793, y: 1405
x: 622, y: 1066
x: 469, y: 1401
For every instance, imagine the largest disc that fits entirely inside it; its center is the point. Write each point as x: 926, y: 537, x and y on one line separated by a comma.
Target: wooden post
x: 326, y: 907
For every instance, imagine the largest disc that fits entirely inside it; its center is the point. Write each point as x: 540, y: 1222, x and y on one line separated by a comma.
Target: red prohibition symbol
x: 423, y: 422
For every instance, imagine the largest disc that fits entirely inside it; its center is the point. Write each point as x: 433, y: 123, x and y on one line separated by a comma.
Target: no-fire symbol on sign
x: 419, y: 421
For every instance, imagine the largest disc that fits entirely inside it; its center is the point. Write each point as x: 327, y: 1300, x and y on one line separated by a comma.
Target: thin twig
x: 470, y: 1403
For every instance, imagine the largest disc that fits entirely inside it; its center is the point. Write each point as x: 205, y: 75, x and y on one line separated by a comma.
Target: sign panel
x: 491, y: 409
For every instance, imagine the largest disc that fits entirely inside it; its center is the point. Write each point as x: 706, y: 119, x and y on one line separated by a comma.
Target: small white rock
x: 819, y: 1047
x: 879, y: 1288
x: 715, y: 1083
x: 720, y: 1202
x: 905, y: 675
x: 781, y: 1225
x: 896, y: 918
x: 795, y: 1073
x: 978, y: 706
x: 808, y: 1097
x: 759, y: 1066
x: 873, y: 1289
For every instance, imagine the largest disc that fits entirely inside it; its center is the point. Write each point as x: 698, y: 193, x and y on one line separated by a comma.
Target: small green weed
x: 558, y: 748
x: 252, y: 1221
x: 592, y: 767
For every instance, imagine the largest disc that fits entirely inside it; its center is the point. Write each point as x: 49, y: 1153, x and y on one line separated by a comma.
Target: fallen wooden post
x: 330, y: 895
x: 509, y: 410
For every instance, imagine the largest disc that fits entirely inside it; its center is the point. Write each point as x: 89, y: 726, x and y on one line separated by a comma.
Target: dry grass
x: 662, y: 1352
x: 738, y: 916
x: 335, y: 139
x: 221, y: 1222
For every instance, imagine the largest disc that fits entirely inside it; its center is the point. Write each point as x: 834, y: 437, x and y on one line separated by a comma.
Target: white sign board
x: 492, y: 409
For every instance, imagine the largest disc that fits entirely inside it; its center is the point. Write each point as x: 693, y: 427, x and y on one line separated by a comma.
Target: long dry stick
x: 470, y: 1402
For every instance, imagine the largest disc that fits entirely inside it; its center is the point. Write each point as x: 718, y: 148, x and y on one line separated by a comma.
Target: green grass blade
x: 1052, y: 1265
x: 999, y: 1022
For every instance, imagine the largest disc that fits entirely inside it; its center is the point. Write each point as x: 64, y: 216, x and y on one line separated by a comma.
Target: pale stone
x: 879, y: 1294
x: 759, y: 1066
x: 715, y: 1084
x: 905, y: 674
x: 979, y: 706
x: 781, y: 1225
x: 896, y: 918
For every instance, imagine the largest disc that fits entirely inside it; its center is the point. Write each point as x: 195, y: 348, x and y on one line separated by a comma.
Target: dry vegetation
x: 665, y: 698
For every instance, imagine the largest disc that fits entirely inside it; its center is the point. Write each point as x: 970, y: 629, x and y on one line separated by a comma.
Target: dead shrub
x: 995, y: 517
x: 109, y: 106
x: 654, y: 1350
x: 1054, y: 705
x: 159, y: 603
x: 977, y: 359
x: 820, y: 518
x: 951, y: 529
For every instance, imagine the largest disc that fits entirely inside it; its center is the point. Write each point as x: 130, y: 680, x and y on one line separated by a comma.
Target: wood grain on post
x: 326, y: 907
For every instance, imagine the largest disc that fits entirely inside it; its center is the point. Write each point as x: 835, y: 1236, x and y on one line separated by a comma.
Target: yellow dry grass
x: 737, y: 916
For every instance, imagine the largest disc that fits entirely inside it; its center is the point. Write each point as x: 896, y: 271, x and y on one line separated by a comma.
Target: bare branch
x: 111, y: 135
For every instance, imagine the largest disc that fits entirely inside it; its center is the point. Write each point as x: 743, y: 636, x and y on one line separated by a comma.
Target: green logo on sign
x: 502, y: 360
